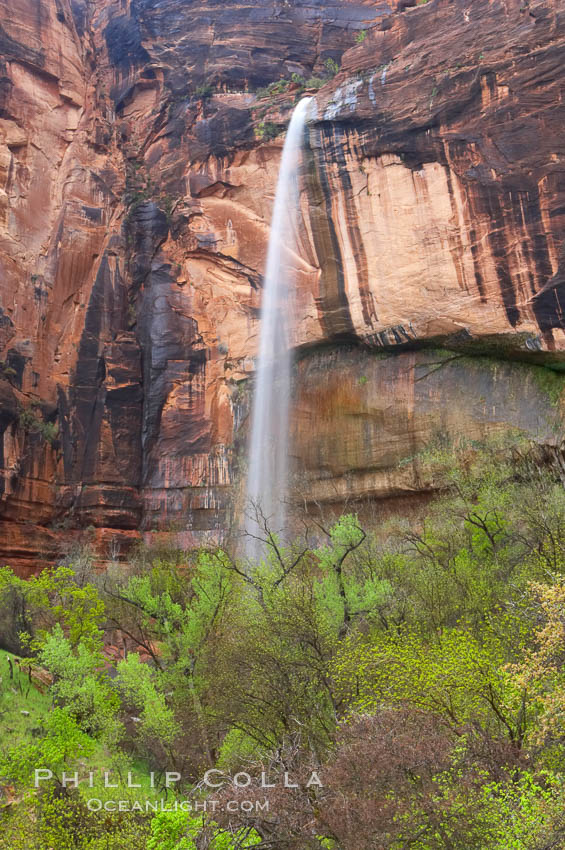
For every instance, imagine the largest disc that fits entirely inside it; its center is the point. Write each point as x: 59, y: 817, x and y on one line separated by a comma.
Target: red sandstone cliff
x: 137, y: 171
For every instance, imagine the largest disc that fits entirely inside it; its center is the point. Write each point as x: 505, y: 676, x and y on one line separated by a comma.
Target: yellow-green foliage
x: 329, y: 654
x: 457, y: 675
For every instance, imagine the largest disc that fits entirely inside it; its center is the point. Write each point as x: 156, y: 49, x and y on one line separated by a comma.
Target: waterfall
x: 267, y: 479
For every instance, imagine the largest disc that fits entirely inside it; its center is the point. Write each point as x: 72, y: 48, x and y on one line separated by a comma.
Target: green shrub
x: 7, y: 371
x: 278, y: 87
x: 33, y: 423
x: 266, y: 130
x: 204, y: 91
x: 315, y: 82
x: 331, y: 66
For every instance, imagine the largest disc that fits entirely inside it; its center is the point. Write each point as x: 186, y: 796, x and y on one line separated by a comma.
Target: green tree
x: 79, y: 685
x: 34, y: 605
x: 58, y: 747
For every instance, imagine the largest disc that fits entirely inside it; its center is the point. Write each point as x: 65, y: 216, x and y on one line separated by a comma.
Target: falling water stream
x: 267, y: 479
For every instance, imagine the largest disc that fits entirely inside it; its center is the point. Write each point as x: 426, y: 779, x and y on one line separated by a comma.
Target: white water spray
x: 267, y: 480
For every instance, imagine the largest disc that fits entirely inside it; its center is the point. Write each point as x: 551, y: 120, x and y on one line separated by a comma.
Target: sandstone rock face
x: 439, y: 168
x: 138, y: 163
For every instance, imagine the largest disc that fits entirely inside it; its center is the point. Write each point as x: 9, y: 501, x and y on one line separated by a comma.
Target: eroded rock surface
x: 139, y: 153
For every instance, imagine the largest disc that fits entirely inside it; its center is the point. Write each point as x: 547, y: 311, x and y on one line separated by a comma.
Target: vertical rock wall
x: 139, y: 151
